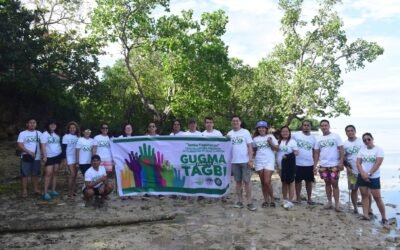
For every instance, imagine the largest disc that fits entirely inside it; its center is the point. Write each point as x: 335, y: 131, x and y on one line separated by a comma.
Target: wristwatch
x: 369, y: 174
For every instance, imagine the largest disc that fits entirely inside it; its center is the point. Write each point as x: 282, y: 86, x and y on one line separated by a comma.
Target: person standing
x: 286, y: 158
x: 369, y: 161
x: 28, y: 144
x: 242, y: 161
x: 209, y: 125
x: 84, y: 151
x: 265, y: 146
x: 101, y: 147
x: 305, y: 160
x: 127, y: 130
x: 152, y: 129
x: 51, y: 149
x: 330, y: 155
x: 351, y: 147
x: 192, y: 128
x: 176, y: 129
x: 69, y: 146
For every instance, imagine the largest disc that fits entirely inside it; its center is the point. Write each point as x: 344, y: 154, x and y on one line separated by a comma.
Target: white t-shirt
x: 180, y: 133
x: 103, y: 147
x: 214, y: 132
x: 195, y: 133
x: 265, y: 156
x: 70, y: 140
x: 240, y: 139
x: 52, y: 141
x: 368, y: 159
x: 31, y: 141
x: 305, y: 144
x: 351, y: 149
x: 328, y: 146
x: 285, y: 149
x: 85, y: 150
x: 91, y: 175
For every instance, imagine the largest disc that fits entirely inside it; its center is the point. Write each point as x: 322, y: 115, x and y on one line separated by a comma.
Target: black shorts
x: 96, y: 190
x: 374, y: 183
x: 53, y: 160
x: 288, y: 173
x: 304, y: 173
x: 84, y: 168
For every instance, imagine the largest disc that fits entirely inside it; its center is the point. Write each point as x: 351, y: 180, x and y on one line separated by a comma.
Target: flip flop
x: 328, y: 207
x: 364, y: 218
x: 311, y: 203
x: 338, y: 210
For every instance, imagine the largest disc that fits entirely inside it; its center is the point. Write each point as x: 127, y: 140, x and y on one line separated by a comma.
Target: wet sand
x: 206, y: 224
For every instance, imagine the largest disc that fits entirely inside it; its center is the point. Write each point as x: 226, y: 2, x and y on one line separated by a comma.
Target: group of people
x: 299, y: 157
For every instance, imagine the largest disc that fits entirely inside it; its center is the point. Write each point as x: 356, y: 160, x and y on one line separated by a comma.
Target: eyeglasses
x: 367, y: 139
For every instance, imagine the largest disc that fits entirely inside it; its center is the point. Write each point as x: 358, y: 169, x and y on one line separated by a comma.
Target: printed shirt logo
x: 305, y: 145
x: 86, y: 148
x: 353, y: 150
x: 73, y: 141
x: 53, y: 140
x: 105, y: 144
x: 284, y: 148
x: 237, y: 140
x: 328, y: 143
x: 31, y: 139
x: 369, y: 158
x: 262, y: 144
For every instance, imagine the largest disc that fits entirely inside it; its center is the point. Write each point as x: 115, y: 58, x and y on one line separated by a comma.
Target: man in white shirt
x: 329, y: 152
x: 96, y: 181
x: 28, y: 144
x: 305, y: 160
x: 192, y: 128
x: 242, y: 161
x: 209, y: 125
x: 352, y: 146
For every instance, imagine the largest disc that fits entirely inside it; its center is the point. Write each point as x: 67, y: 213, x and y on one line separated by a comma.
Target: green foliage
x: 42, y: 73
x: 305, y: 70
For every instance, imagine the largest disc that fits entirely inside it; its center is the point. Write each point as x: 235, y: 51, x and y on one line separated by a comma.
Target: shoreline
x: 201, y: 224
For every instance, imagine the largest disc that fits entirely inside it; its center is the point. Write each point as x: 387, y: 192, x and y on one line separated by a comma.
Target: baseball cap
x: 262, y: 124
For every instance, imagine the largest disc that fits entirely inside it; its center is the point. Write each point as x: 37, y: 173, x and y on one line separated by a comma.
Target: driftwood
x: 37, y: 225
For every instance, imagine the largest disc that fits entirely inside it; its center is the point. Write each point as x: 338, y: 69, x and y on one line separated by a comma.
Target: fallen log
x: 15, y: 226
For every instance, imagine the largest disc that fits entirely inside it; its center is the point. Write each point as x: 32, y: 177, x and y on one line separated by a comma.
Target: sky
x: 253, y: 30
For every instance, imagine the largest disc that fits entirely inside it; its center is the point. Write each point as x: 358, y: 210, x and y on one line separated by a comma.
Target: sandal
x: 265, y: 204
x: 272, y: 204
x: 338, y: 210
x: 384, y: 221
x: 364, y: 218
x: 311, y: 203
x: 328, y: 207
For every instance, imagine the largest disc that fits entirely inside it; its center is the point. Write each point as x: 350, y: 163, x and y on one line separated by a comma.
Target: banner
x: 167, y: 165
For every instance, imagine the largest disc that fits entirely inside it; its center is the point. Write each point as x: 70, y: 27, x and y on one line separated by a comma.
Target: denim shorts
x: 374, y: 183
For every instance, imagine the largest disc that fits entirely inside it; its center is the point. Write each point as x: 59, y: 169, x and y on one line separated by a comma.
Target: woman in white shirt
x: 69, y: 146
x: 287, y: 162
x: 265, y: 146
x: 369, y: 160
x: 51, y: 153
x: 83, y: 151
x: 102, y: 148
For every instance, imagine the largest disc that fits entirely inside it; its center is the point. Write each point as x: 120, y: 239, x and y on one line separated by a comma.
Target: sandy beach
x: 176, y: 223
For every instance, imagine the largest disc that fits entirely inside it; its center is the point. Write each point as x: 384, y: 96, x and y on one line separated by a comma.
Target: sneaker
x: 46, y: 197
x: 53, y: 193
x: 272, y: 204
x: 264, y: 205
x: 238, y: 205
x: 251, y: 207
